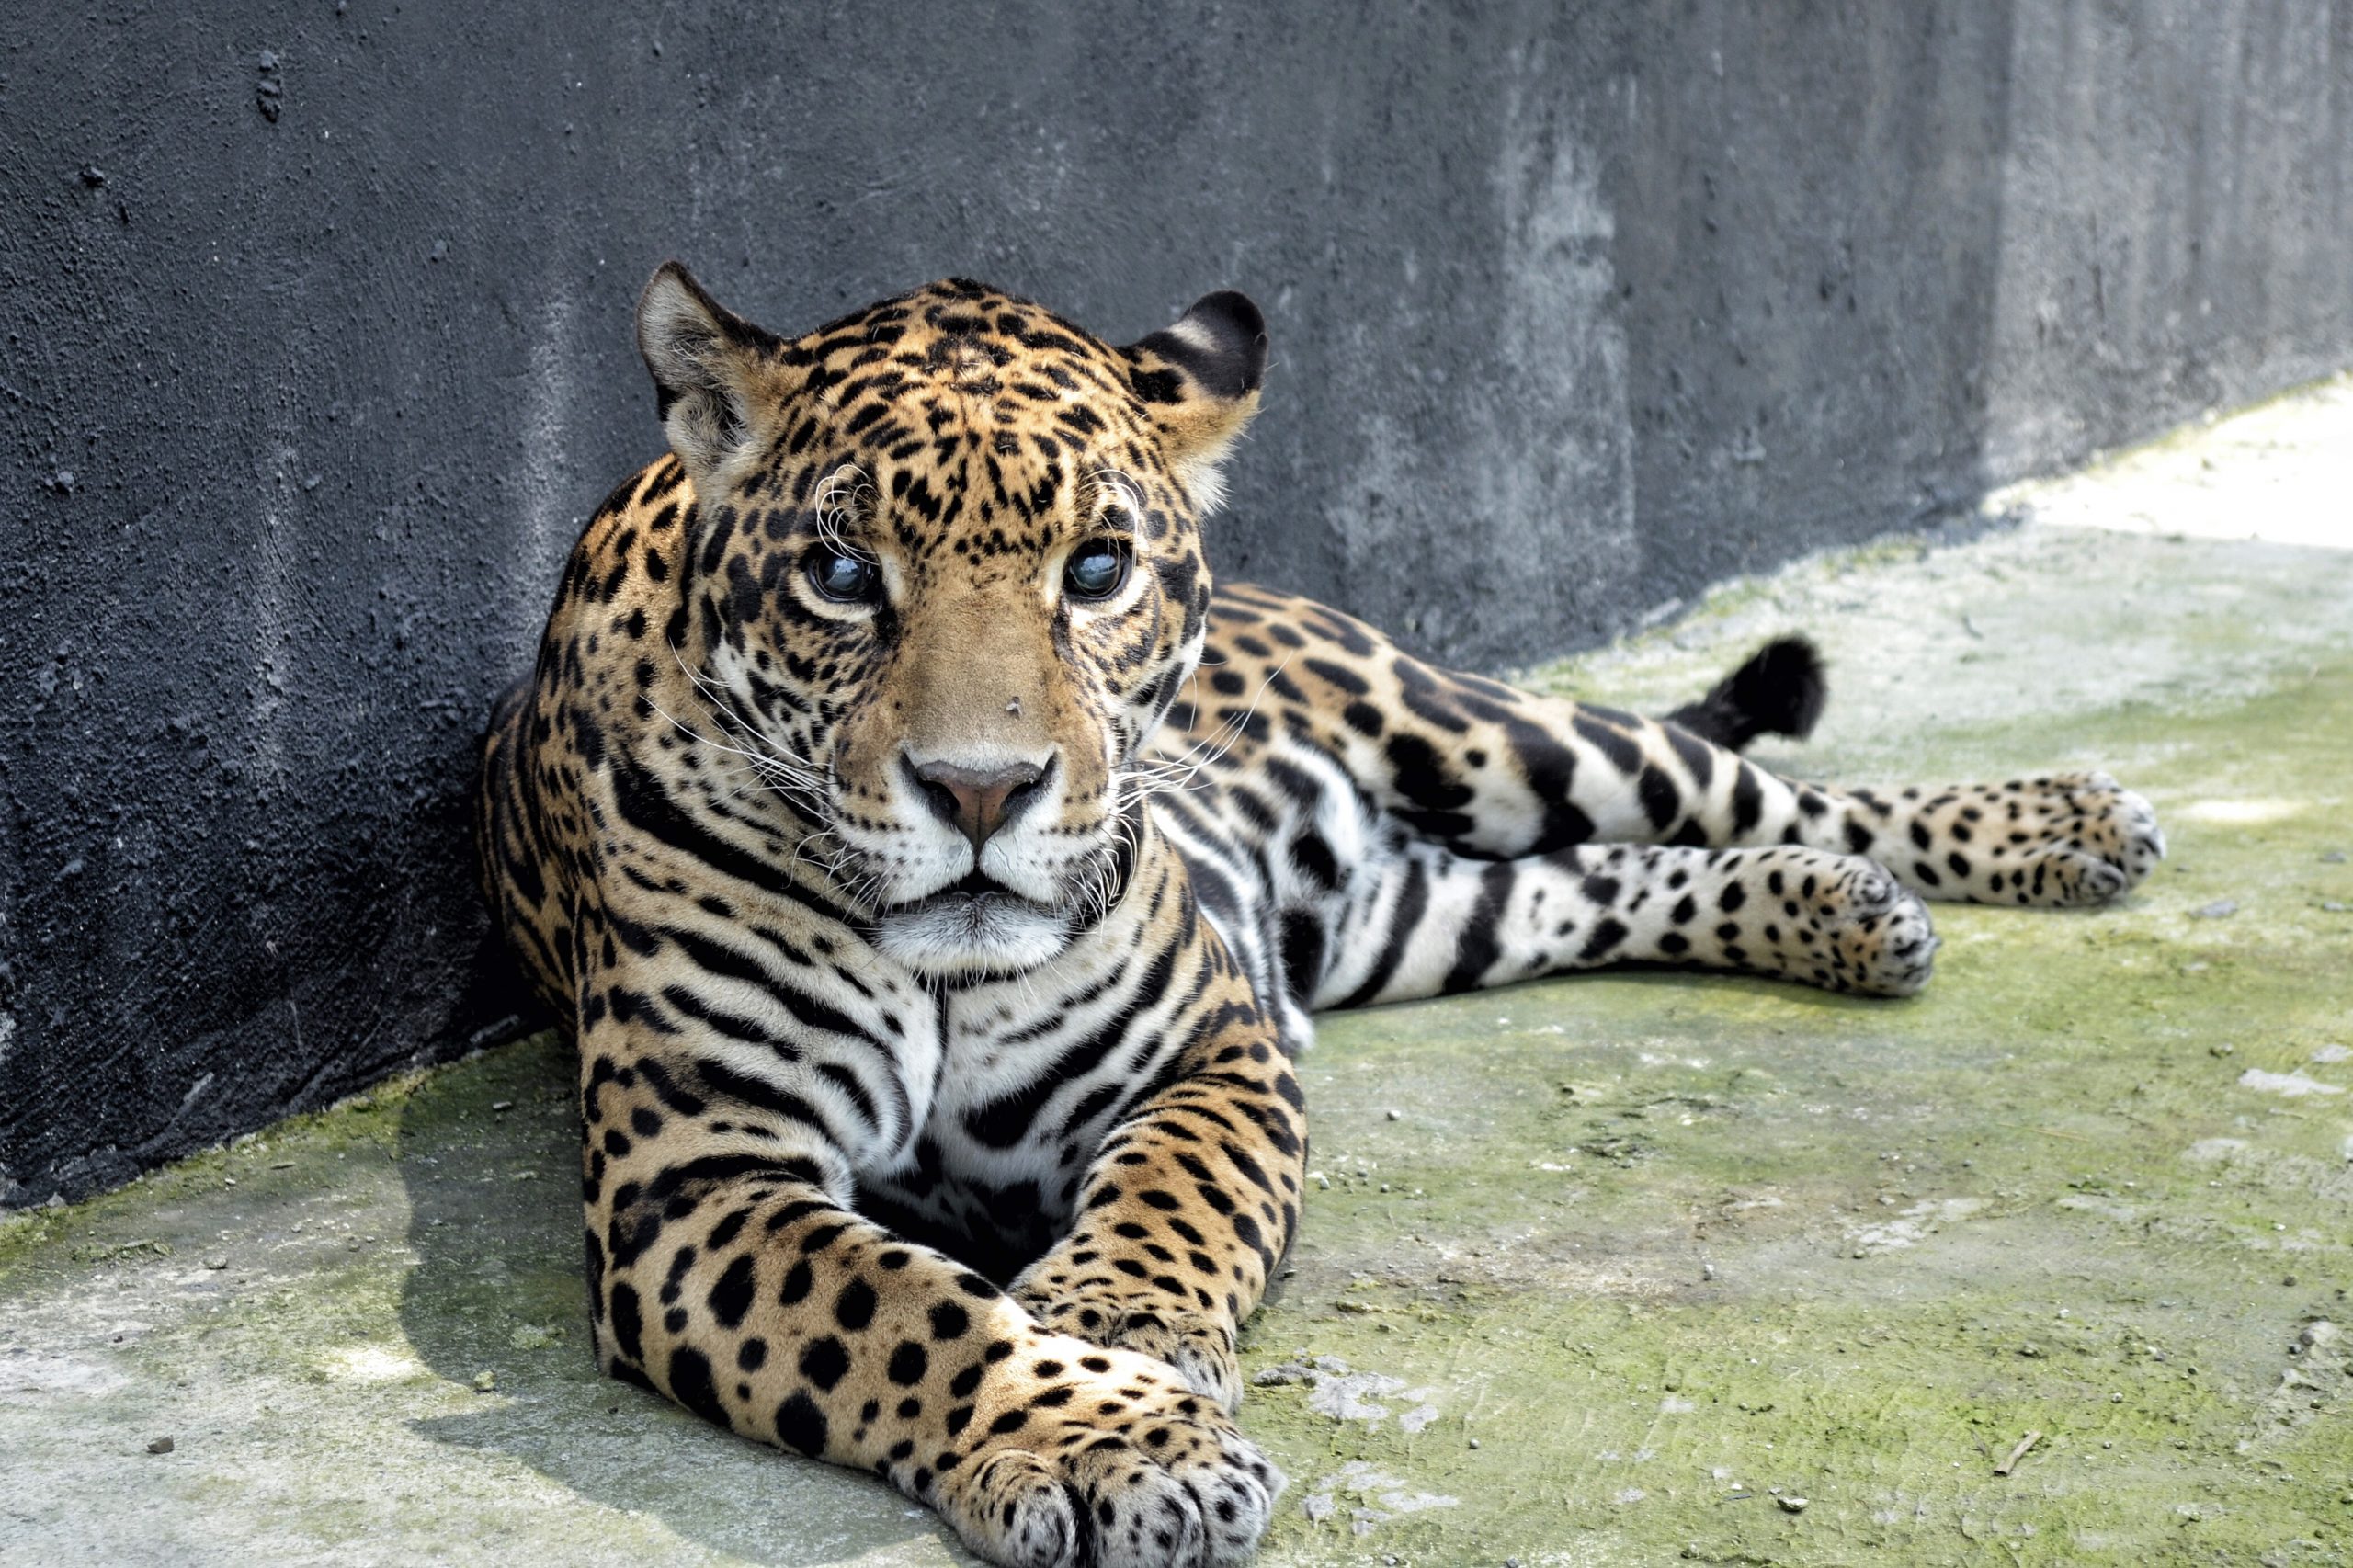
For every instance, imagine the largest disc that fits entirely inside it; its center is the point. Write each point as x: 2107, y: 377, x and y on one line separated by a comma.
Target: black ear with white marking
x: 1199, y: 379
x: 709, y: 368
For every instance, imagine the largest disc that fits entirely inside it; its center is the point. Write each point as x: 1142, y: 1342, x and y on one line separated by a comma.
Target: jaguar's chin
x: 971, y: 930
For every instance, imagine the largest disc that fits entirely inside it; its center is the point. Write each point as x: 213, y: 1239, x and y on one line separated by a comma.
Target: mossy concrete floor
x: 1612, y: 1270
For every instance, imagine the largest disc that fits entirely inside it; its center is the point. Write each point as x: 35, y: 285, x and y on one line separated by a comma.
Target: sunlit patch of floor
x: 2280, y: 473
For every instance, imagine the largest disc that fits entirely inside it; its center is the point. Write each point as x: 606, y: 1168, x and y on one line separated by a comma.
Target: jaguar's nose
x: 977, y: 800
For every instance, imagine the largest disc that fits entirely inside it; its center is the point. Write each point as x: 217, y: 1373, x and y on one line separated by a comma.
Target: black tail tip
x: 1780, y: 690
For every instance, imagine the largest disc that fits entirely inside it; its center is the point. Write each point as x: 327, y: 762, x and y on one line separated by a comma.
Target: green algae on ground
x: 289, y: 1157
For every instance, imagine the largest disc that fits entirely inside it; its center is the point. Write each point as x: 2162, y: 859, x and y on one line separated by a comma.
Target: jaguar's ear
x: 1199, y: 379
x: 710, y: 367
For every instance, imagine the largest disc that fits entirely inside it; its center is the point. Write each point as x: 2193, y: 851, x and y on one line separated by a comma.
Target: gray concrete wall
x: 317, y: 352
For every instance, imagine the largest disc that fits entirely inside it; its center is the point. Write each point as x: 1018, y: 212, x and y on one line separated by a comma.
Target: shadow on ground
x: 489, y: 1155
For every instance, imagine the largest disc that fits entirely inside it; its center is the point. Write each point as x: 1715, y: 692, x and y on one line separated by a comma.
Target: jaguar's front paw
x: 1109, y: 1464
x: 1201, y: 1350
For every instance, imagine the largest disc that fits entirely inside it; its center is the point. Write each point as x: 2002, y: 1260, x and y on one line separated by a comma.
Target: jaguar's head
x: 945, y: 577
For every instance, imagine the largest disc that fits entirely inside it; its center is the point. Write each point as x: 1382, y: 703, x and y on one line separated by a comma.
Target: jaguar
x: 936, y: 873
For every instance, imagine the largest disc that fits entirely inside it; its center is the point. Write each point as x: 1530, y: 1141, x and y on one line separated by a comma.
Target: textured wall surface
x: 317, y: 353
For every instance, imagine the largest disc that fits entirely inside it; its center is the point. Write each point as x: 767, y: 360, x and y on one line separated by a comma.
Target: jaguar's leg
x: 1488, y: 772
x: 2050, y: 841
x: 1430, y: 922
x: 1186, y: 1209
x: 725, y: 1271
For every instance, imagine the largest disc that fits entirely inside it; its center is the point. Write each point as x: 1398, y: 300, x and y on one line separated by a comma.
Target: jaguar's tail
x: 1778, y: 691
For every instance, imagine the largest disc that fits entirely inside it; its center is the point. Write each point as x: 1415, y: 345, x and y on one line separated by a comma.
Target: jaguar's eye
x: 1096, y: 569
x: 843, y: 577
